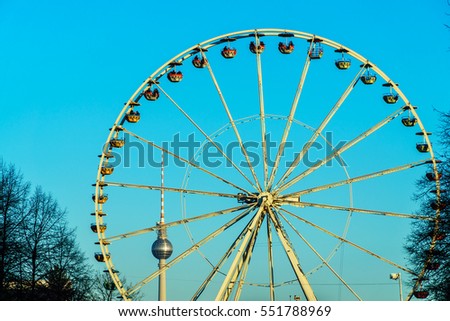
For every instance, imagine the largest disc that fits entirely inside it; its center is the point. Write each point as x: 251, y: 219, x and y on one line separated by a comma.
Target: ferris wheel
x: 262, y: 164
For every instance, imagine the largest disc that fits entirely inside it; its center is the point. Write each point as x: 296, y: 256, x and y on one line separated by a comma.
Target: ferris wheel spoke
x: 292, y: 257
x: 169, y: 189
x: 262, y: 112
x: 321, y: 127
x: 357, y: 210
x: 349, y: 242
x: 324, y: 261
x: 216, y: 268
x: 184, y: 160
x: 219, y: 149
x: 287, y: 128
x: 270, y: 258
x: 348, y: 145
x: 240, y: 258
x: 358, y: 178
x: 249, y: 252
x: 177, y: 223
x: 248, y: 256
x: 188, y: 252
x: 233, y: 125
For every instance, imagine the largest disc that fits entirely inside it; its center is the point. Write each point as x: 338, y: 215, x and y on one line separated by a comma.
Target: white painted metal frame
x: 268, y: 201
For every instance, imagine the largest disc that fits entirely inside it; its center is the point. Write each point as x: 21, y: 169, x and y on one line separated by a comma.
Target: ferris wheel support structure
x: 271, y: 195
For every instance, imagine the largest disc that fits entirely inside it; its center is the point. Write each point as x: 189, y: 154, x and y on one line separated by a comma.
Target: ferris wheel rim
x: 161, y: 71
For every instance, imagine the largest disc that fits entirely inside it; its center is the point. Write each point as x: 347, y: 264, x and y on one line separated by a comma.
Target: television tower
x: 162, y: 248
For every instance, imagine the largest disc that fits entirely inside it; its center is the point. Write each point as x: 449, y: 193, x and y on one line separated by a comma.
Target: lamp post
x: 398, y: 276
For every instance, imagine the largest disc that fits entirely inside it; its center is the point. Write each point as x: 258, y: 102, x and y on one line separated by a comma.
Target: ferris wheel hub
x: 265, y: 198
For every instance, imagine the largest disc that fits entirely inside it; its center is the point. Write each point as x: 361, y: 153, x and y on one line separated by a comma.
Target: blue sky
x: 66, y: 68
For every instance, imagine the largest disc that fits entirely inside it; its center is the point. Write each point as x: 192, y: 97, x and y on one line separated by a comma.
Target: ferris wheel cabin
x: 257, y: 49
x: 151, y: 95
x: 390, y: 97
x: 133, y: 117
x: 432, y: 177
x: 100, y: 257
x: 438, y: 205
x: 175, y: 76
x: 423, y: 147
x: 102, y: 199
x: 422, y: 294
x: 433, y: 266
x: 102, y: 228
x: 286, y: 47
x: 117, y: 142
x: 106, y: 170
x: 342, y: 63
x: 409, y: 121
x: 228, y: 52
x: 199, y: 63
x: 368, y: 78
x: 316, y: 49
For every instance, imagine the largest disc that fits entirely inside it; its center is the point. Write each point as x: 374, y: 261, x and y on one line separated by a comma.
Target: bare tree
x: 448, y: 14
x: 72, y: 267
x: 40, y: 221
x: 13, y: 194
x: 106, y: 290
x: 40, y: 257
x: 437, y: 278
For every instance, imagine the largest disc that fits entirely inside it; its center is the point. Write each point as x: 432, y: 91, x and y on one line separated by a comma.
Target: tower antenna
x: 162, y: 248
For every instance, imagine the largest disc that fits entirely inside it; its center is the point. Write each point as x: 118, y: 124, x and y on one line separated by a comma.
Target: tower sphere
x: 162, y: 249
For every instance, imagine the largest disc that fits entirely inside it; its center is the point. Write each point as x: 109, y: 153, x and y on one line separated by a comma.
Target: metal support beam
x: 303, y: 281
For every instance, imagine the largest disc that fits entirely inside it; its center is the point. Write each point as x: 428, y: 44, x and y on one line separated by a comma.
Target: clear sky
x: 67, y: 67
